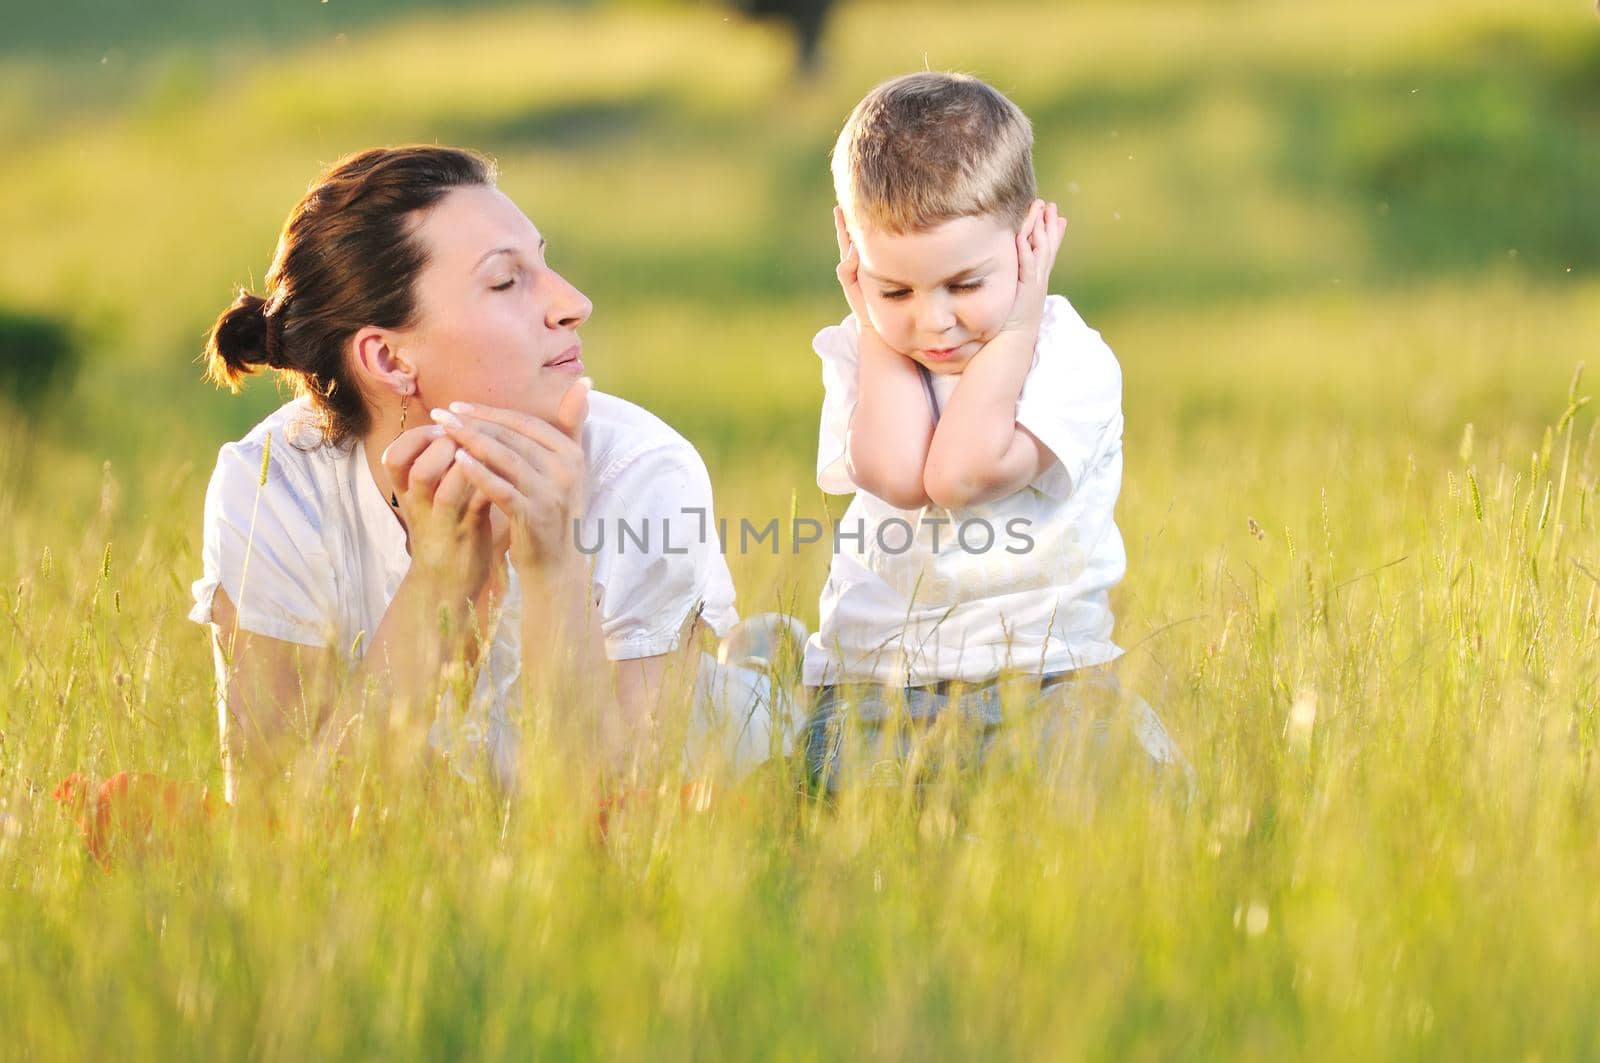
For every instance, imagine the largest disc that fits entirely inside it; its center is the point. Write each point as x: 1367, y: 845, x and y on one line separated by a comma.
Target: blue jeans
x: 883, y: 735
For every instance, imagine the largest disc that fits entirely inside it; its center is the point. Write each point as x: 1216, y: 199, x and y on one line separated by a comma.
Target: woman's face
x: 495, y: 325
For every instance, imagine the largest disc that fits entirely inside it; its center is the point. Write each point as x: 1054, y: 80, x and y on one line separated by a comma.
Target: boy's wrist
x: 872, y: 348
x: 1025, y: 320
x: 1017, y: 341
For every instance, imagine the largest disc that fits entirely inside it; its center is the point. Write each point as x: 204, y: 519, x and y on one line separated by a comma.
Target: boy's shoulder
x: 1062, y: 321
x: 838, y: 341
x: 1067, y: 341
x: 1074, y: 373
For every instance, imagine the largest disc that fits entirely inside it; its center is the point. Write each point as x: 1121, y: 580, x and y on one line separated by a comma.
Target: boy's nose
x: 935, y: 317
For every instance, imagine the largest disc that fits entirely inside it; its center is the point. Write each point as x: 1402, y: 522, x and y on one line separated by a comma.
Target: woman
x: 424, y: 514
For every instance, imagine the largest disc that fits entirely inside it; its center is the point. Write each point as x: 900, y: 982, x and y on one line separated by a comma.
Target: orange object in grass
x: 132, y: 810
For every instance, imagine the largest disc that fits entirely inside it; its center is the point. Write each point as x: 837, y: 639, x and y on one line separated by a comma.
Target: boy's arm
x: 979, y: 453
x: 891, y: 427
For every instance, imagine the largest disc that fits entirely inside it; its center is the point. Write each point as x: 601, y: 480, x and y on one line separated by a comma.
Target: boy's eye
x: 897, y: 293
x: 966, y: 286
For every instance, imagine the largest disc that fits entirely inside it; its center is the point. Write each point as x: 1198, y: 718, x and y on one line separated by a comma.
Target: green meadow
x: 1346, y: 254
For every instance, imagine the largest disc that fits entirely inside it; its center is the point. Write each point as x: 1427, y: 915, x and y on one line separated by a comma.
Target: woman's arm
x: 536, y: 474
x: 286, y: 707
x: 291, y: 707
x: 564, y: 660
x: 654, y: 699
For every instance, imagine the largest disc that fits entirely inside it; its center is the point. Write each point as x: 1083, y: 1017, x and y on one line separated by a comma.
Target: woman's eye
x: 504, y: 285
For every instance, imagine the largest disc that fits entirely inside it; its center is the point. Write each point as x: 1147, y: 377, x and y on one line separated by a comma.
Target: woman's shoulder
x: 295, y: 432
x: 284, y: 455
x: 618, y: 433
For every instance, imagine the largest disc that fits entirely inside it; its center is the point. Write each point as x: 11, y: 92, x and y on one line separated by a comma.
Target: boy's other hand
x: 1037, y: 243
x: 849, y: 271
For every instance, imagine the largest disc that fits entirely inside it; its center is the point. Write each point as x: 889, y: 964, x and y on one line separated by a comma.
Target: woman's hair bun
x: 348, y: 258
x: 241, y: 342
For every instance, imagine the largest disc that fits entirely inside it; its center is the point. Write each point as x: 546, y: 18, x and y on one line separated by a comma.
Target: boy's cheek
x: 1001, y: 302
x: 876, y: 319
x: 894, y: 341
x: 886, y: 327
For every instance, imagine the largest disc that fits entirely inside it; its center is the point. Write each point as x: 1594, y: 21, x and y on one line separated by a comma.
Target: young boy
x: 978, y: 421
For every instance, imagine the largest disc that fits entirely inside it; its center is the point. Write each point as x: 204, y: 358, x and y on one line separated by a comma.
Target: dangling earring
x: 394, y: 499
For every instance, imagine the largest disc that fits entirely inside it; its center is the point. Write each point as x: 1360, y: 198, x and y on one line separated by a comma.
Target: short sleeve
x: 261, y: 545
x: 1072, y: 399
x: 837, y: 346
x: 651, y: 534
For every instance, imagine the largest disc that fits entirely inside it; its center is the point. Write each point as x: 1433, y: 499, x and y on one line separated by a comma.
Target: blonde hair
x: 926, y: 148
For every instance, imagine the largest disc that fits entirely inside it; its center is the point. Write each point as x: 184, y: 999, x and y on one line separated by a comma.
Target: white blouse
x: 314, y: 554
x: 1021, y: 583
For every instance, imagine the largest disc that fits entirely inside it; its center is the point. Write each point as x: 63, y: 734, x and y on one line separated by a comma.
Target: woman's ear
x: 380, y: 364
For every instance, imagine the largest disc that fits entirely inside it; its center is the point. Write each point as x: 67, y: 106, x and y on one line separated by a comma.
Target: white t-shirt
x: 918, y: 596
x: 315, y: 555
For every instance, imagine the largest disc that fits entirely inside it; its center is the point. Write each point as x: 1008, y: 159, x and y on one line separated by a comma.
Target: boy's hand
x: 1037, y: 244
x: 849, y: 271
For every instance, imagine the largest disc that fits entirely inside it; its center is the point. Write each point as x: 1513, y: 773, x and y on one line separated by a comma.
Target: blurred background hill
x: 1273, y: 205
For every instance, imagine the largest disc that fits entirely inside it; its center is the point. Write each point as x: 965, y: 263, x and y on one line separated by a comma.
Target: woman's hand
x: 531, y: 470
x: 1037, y: 244
x: 447, y: 519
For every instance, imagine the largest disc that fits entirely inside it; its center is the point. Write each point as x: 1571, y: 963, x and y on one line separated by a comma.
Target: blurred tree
x: 805, y: 19
x: 37, y: 357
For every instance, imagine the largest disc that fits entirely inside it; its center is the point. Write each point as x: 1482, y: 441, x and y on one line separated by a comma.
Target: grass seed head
x: 266, y: 460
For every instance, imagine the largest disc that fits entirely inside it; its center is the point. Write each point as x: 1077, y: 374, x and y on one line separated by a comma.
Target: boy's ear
x: 380, y: 363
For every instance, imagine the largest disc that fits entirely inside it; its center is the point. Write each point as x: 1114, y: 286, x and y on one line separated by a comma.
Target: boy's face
x: 939, y: 295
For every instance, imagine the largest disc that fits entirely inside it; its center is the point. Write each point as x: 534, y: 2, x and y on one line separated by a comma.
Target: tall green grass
x: 1387, y: 685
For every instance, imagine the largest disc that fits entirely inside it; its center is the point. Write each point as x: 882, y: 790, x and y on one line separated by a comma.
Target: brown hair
x: 347, y: 259
x: 923, y: 149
